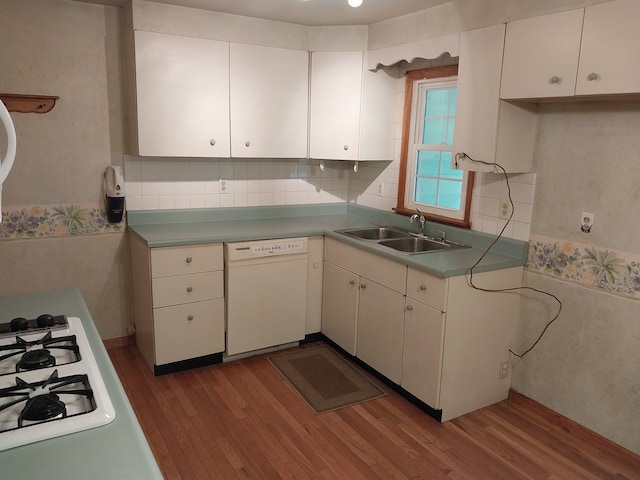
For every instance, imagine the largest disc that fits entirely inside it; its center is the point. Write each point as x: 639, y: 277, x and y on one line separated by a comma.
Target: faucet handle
x: 443, y: 236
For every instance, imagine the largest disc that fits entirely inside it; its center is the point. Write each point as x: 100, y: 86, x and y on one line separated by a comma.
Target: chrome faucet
x: 419, y: 217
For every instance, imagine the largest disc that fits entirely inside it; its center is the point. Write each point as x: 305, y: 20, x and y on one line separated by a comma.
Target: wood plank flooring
x: 243, y: 421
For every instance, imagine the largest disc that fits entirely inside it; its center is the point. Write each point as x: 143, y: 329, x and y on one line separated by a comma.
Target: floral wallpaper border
x: 590, y: 265
x: 40, y: 221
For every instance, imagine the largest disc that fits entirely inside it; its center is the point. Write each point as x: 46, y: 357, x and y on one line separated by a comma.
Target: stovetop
x: 50, y: 384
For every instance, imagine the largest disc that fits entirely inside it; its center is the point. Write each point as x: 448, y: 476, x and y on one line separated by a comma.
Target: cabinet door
x: 422, y: 352
x: 541, y: 56
x: 336, y: 88
x: 340, y: 306
x: 487, y: 128
x: 269, y: 102
x: 610, y: 54
x: 380, y: 329
x: 182, y: 87
x: 189, y: 331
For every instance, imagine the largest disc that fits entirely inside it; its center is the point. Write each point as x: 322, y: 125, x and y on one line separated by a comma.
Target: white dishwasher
x: 266, y: 293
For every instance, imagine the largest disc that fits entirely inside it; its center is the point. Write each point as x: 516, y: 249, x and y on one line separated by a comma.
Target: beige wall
x: 71, y: 50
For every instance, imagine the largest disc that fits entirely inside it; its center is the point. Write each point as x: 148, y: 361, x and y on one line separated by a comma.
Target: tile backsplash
x: 177, y: 183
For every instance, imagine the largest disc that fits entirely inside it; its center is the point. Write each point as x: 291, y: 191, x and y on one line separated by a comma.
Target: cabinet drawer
x: 185, y: 259
x: 188, y: 331
x: 381, y: 270
x: 187, y: 288
x: 427, y: 288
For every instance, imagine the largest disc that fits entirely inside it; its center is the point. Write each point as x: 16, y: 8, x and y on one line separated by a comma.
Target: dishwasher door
x: 266, y: 293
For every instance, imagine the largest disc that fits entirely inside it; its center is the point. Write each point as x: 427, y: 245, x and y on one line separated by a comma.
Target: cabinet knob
x: 212, y: 142
x: 189, y: 289
x: 554, y: 80
x: 352, y: 282
x: 346, y: 147
x: 190, y: 317
x: 363, y: 286
x: 592, y: 76
x: 189, y: 259
x: 247, y: 143
x: 409, y: 308
x: 423, y: 288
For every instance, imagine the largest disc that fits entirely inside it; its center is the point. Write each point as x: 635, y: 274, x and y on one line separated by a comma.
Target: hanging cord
x: 491, y: 245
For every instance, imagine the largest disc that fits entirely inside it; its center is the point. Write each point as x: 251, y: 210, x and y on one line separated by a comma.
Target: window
x: 430, y: 183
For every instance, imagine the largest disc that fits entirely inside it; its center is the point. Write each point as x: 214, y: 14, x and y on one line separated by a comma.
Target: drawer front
x: 427, y: 289
x: 381, y: 270
x: 181, y: 289
x: 188, y: 331
x: 185, y: 259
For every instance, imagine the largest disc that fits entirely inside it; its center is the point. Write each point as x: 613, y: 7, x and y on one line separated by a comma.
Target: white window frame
x: 406, y: 204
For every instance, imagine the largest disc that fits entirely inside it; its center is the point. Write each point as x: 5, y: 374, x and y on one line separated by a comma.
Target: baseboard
x: 111, y: 343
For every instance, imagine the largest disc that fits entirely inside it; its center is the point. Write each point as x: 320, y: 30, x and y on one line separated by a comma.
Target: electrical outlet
x: 586, y: 221
x: 225, y: 186
x: 381, y: 188
x: 504, y: 370
x: 505, y: 209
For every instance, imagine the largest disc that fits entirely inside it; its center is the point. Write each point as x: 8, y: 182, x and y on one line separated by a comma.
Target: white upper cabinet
x: 610, y: 54
x: 336, y: 87
x: 269, y: 101
x: 591, y: 51
x: 182, y: 87
x: 488, y: 129
x: 541, y: 56
x: 352, y: 109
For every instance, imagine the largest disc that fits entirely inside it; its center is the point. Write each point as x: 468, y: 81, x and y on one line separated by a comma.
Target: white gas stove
x: 50, y: 384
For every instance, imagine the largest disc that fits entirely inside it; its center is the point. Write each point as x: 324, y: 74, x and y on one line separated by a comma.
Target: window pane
x: 449, y: 194
x: 435, y: 131
x: 445, y: 167
x: 428, y: 163
x: 426, y: 189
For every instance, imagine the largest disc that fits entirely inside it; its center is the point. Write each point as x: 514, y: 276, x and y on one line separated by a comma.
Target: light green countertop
x: 117, y: 450
x: 183, y: 227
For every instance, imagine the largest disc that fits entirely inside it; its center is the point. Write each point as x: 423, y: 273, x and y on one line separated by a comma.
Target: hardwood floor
x: 242, y: 420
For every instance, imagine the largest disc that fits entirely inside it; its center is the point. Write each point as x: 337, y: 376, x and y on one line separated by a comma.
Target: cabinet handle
x: 189, y: 289
x: 189, y: 260
x: 363, y: 286
x: 592, y: 76
x: 190, y: 317
x: 423, y: 288
x: 352, y: 282
x: 247, y: 143
x: 346, y: 147
x: 554, y: 80
x: 409, y: 308
x: 212, y: 142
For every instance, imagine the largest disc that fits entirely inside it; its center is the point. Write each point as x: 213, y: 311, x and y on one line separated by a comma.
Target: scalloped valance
x: 427, y: 49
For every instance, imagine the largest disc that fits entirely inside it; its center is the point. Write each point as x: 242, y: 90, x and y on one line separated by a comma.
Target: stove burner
x: 35, y: 359
x: 42, y: 407
x: 45, y: 320
x: 18, y: 324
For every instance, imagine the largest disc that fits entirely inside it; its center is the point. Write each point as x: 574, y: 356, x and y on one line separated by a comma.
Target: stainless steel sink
x: 376, y: 233
x: 416, y: 245
x: 402, y: 241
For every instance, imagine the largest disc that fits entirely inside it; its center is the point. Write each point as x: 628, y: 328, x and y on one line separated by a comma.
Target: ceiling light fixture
x: 355, y: 3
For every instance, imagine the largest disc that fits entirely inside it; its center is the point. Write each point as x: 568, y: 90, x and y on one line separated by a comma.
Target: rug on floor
x: 324, y: 379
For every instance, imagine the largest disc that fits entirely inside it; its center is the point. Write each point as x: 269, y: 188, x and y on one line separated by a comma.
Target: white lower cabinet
x: 437, y: 338
x: 178, y: 304
x: 422, y: 349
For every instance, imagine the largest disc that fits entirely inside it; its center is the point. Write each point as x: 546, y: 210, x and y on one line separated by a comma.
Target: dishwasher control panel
x: 266, y: 248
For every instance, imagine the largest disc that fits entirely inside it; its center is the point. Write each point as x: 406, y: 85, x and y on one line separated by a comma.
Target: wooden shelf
x: 28, y: 103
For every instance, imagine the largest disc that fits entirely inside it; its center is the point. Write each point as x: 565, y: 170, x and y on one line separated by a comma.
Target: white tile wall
x: 176, y: 183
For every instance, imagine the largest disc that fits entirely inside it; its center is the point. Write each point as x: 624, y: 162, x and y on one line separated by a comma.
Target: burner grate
x: 47, y: 351
x: 55, y: 398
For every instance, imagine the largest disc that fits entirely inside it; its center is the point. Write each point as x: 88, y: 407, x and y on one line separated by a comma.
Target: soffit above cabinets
x: 303, y: 12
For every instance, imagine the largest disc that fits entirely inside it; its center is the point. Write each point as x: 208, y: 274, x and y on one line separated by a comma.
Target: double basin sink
x: 400, y: 240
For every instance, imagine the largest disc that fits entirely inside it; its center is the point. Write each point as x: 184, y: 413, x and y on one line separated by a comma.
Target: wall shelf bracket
x: 28, y: 103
